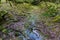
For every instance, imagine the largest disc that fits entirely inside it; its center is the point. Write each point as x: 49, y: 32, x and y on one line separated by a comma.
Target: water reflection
x: 34, y: 35
x: 31, y: 35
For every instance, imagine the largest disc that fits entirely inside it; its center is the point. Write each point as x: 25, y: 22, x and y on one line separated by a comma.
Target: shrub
x: 35, y: 2
x: 2, y: 15
x: 56, y: 18
x: 19, y: 1
x: 51, y: 11
x: 1, y: 27
x: 29, y: 1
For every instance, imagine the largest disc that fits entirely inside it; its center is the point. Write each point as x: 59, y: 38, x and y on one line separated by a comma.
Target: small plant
x: 5, y: 31
x: 2, y: 15
x: 1, y: 27
x: 56, y: 19
x: 16, y: 33
x: 51, y: 11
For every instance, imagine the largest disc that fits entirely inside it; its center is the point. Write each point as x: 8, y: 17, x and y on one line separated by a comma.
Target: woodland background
x: 20, y: 18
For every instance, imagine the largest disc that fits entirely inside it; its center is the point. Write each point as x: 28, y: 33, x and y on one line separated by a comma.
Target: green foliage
x: 5, y: 31
x: 29, y: 1
x: 23, y: 8
x: 27, y: 25
x: 56, y: 18
x: 36, y: 2
x: 16, y: 33
x: 19, y: 1
x: 2, y: 1
x: 51, y: 11
x: 2, y: 14
x: 1, y: 27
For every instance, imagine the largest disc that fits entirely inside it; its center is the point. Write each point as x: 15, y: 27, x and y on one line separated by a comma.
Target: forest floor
x: 23, y: 16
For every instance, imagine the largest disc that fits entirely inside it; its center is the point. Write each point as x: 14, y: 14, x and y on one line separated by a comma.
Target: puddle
x: 34, y: 35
